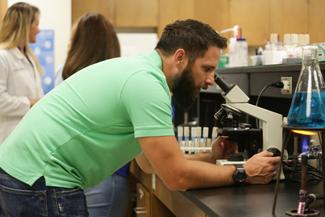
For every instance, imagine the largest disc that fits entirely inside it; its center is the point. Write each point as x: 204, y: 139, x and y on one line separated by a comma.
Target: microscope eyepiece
x: 225, y: 87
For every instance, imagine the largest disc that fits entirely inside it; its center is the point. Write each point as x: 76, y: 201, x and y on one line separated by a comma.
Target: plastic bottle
x: 242, y: 52
x: 238, y: 49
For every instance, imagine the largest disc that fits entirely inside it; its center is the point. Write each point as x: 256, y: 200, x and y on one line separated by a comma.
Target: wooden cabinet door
x: 172, y: 10
x: 136, y: 13
x: 316, y: 20
x: 105, y: 7
x: 3, y: 8
x: 212, y: 12
x: 289, y: 16
x: 142, y: 208
x: 253, y: 17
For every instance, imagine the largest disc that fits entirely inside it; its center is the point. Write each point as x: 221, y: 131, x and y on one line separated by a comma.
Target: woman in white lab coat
x: 20, y: 86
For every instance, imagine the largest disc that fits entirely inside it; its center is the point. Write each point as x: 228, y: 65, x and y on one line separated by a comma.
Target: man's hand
x: 222, y: 148
x: 261, y: 168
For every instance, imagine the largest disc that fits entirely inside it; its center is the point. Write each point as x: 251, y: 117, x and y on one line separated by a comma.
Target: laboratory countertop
x: 230, y: 201
x: 266, y: 68
x: 249, y: 200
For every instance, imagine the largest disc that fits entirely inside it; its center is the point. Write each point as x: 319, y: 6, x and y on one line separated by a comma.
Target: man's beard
x: 184, y: 90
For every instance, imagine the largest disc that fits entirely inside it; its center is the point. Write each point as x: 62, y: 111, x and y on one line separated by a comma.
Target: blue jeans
x: 110, y: 198
x: 18, y: 199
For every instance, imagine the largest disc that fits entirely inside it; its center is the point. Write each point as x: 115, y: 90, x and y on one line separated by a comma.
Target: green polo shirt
x: 86, y: 128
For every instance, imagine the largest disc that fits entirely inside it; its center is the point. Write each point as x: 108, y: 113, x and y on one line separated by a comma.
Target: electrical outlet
x: 287, y: 85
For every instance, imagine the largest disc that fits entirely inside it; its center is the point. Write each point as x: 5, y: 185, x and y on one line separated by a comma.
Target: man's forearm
x: 202, y: 175
x: 203, y: 156
x: 144, y: 164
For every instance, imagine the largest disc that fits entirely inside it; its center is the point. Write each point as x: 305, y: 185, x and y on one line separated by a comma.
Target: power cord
x: 278, y: 84
x: 292, y: 170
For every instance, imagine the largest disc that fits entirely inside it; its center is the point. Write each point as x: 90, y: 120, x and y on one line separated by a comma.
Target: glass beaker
x: 307, y: 108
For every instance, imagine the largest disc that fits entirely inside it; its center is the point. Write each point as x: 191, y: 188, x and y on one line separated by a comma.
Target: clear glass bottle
x: 307, y: 108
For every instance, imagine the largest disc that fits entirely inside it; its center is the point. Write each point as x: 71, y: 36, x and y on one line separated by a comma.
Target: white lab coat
x: 19, y: 81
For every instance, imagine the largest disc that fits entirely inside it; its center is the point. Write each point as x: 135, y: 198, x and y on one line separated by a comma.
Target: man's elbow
x: 147, y: 170
x: 144, y: 164
x: 176, y: 182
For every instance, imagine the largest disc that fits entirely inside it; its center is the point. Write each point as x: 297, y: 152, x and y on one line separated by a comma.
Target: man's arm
x: 203, y: 156
x: 144, y: 164
x: 177, y: 172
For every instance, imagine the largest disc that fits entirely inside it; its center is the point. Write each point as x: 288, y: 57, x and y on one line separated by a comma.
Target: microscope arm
x: 271, y: 122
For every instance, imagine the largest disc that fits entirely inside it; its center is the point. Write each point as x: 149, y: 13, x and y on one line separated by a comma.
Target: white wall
x: 56, y: 15
x: 137, y: 43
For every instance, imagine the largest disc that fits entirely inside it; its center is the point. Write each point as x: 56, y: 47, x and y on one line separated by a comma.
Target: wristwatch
x: 239, y: 176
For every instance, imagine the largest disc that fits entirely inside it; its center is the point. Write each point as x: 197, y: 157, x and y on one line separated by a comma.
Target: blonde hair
x: 15, y: 28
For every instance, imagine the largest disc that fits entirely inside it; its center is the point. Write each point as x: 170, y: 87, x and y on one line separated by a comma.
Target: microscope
x: 269, y: 137
x: 250, y: 141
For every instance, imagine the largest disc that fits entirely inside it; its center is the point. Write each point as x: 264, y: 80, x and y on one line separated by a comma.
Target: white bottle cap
x: 307, y: 39
x: 180, y: 131
x: 193, y: 132
x: 294, y: 39
x: 205, y: 132
x: 286, y: 39
x: 186, y: 132
x: 214, y: 132
x: 274, y: 38
x: 199, y: 132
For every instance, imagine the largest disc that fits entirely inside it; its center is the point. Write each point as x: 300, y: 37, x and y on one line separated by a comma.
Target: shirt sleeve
x: 10, y: 105
x: 148, y: 103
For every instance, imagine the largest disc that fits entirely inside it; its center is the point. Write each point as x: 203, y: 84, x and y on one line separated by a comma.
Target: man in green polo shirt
x: 103, y: 117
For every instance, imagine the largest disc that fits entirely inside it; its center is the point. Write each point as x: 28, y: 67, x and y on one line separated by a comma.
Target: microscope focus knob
x: 275, y: 151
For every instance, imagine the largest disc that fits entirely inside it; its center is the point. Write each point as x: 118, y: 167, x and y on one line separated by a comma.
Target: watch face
x: 239, y: 175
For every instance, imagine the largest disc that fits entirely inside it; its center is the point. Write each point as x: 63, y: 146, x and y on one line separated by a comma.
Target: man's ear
x: 179, y: 55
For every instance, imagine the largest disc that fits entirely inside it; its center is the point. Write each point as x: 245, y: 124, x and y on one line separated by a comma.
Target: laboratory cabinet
x: 105, y: 7
x: 213, y: 12
x: 3, y: 7
x: 228, y: 201
x: 258, y: 18
x: 142, y: 208
x: 253, y: 17
x: 316, y: 20
x: 155, y: 200
x: 122, y: 13
x: 289, y: 16
x: 139, y: 13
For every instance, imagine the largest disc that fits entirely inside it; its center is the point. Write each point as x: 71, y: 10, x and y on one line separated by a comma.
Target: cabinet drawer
x: 142, y: 208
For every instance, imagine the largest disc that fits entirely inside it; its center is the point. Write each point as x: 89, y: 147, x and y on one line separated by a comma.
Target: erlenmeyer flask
x: 308, y: 103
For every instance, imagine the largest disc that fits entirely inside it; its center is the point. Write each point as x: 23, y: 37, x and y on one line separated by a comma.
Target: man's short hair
x: 193, y: 36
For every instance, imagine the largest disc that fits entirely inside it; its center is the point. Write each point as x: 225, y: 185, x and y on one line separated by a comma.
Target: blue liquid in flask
x: 307, y: 113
